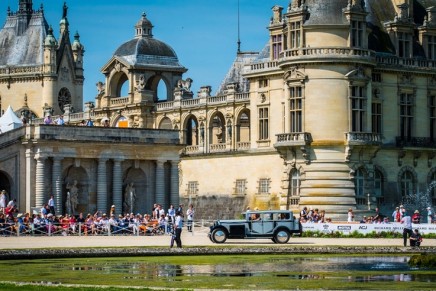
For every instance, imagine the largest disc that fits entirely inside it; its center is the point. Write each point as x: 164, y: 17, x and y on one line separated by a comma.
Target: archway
x: 122, y: 122
x: 5, y: 184
x: 165, y: 123
x: 243, y: 126
x: 191, y: 131
x: 217, y: 129
x: 119, y: 84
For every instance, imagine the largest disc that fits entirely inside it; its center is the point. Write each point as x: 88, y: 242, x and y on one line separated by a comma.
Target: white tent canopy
x: 9, y: 121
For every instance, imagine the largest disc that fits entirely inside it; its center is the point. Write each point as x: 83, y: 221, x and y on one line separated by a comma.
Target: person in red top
x: 416, y: 217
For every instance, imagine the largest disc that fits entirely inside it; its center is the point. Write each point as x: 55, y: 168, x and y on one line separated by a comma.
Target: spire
x: 64, y: 21
x: 239, y: 32
x: 25, y: 6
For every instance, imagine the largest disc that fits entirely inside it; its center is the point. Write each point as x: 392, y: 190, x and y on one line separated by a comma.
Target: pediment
x: 294, y: 75
x: 116, y: 63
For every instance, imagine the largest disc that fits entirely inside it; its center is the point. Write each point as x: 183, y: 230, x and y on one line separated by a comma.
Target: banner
x: 365, y: 228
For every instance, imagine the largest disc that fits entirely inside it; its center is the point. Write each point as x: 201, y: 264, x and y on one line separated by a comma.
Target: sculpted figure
x: 100, y: 88
x: 72, y: 197
x: 129, y: 198
x: 185, y: 84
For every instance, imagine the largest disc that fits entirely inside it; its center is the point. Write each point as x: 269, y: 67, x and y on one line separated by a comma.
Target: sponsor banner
x: 347, y: 228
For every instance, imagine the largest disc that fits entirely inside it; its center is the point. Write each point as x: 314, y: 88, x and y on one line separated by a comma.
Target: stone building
x: 337, y: 111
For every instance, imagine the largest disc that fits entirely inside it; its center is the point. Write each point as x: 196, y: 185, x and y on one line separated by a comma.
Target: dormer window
x: 276, y: 46
x: 356, y: 33
x: 404, y: 45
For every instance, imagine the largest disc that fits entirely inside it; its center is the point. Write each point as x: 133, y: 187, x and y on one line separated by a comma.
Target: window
x: 296, y: 108
x: 295, y: 183
x: 376, y: 77
x: 240, y: 187
x: 263, y: 83
x: 378, y: 186
x: 264, y: 186
x: 358, y: 104
x: 356, y: 33
x: 263, y: 124
x: 295, y: 34
x: 406, y: 183
x: 406, y: 115
x: 432, y: 108
x: 404, y: 41
x: 376, y: 111
x: 431, y: 47
x: 359, y: 183
x: 276, y: 46
x: 192, y: 188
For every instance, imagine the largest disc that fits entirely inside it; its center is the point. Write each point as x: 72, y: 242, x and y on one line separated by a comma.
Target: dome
x: 50, y: 40
x: 144, y: 50
x: 76, y: 43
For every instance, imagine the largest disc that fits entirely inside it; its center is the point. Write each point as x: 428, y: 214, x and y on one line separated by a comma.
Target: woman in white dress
x: 2, y: 201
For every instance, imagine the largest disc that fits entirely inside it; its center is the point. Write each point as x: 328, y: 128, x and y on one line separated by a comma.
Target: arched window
x: 64, y: 98
x: 407, y: 182
x: 162, y: 93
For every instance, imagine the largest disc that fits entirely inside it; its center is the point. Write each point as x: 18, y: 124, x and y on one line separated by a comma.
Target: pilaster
x: 174, y: 188
x: 29, y: 178
x: 160, y: 182
x: 117, y: 186
x: 101, y: 185
x: 57, y: 183
x: 39, y: 181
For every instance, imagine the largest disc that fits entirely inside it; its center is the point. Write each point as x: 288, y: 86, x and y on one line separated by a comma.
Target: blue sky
x: 203, y: 33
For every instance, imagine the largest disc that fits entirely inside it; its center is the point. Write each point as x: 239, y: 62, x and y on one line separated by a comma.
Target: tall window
x: 378, y: 183
x: 432, y: 108
x: 240, y: 186
x: 264, y: 186
x: 356, y: 33
x: 295, y: 183
x: 406, y: 115
x: 359, y: 183
x: 404, y: 42
x: 406, y: 183
x: 276, y: 46
x: 431, y: 47
x: 376, y: 111
x: 192, y: 188
x: 263, y: 123
x: 358, y: 104
x: 296, y: 108
x: 295, y: 34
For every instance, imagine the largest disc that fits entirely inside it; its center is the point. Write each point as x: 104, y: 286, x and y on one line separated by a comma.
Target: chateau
x: 337, y: 111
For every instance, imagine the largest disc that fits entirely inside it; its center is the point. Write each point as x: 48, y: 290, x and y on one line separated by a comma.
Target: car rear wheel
x: 219, y: 235
x: 282, y: 236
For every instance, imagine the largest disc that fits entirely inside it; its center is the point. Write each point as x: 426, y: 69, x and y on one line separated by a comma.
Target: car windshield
x: 267, y: 216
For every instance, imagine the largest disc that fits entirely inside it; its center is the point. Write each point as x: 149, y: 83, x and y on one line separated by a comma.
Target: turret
x: 143, y: 27
x: 63, y: 24
x: 50, y: 46
x: 78, y: 50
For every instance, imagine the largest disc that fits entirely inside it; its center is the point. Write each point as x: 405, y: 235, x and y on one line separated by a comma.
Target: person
x: 429, y: 215
x: 415, y: 239
x: 172, y: 214
x: 112, y: 211
x: 106, y: 123
x: 407, y: 231
x: 303, y: 214
x: 51, y: 205
x: 190, y: 216
x: 396, y: 215
x: 350, y: 215
x: 48, y: 120
x: 60, y: 120
x: 3, y: 201
x: 416, y: 217
x: 178, y: 229
x: 89, y: 122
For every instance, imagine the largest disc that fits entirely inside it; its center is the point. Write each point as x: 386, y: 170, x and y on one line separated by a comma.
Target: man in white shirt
x: 407, y: 231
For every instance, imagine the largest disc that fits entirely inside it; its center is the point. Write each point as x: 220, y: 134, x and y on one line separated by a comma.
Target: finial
x: 77, y: 35
x: 50, y: 30
x: 144, y: 14
x: 64, y: 10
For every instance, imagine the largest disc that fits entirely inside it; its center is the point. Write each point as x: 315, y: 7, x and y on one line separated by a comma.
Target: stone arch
x: 217, y: 129
x: 121, y: 121
x: 152, y: 84
x: 6, y: 183
x: 165, y: 123
x: 116, y: 81
x: 137, y: 178
x: 243, y: 125
x: 190, y: 130
x: 79, y: 174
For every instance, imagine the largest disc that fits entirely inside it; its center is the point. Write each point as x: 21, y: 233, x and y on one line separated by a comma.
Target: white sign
x: 365, y: 228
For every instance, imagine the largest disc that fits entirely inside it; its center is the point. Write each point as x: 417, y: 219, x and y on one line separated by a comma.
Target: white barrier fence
x: 364, y: 228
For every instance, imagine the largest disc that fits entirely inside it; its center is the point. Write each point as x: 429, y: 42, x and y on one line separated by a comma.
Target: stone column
x: 160, y: 183
x: 29, y: 179
x: 117, y: 186
x: 174, y: 195
x: 39, y: 181
x: 101, y: 185
x: 57, y: 184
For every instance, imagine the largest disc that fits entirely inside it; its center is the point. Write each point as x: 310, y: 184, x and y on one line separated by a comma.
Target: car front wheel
x: 282, y: 236
x: 219, y: 236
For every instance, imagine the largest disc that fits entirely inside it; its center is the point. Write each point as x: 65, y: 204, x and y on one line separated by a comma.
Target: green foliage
x: 425, y: 261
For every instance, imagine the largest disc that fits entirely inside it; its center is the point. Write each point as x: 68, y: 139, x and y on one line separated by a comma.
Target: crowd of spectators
x: 313, y: 216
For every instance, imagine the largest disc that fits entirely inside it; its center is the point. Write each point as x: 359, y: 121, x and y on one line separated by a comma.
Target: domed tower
x: 135, y: 72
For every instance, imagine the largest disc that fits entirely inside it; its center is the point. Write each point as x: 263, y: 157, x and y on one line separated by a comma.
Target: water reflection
x: 301, y: 268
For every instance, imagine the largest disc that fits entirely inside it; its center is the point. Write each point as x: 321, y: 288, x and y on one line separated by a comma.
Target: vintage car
x: 277, y: 225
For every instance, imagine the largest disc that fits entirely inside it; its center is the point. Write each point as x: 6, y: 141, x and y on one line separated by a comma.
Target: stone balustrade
x: 293, y: 139
x: 363, y: 138
x: 218, y: 147
x: 120, y: 101
x: 420, y: 142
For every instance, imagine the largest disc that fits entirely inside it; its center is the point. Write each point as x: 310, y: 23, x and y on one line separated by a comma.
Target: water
x: 420, y: 201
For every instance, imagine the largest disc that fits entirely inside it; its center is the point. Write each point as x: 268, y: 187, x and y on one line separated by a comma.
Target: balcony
x: 416, y: 142
x: 293, y: 139
x: 363, y: 138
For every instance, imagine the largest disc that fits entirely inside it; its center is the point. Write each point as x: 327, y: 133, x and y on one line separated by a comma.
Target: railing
x: 190, y: 102
x: 326, y: 52
x: 21, y: 70
x: 164, y: 105
x: 120, y: 100
x: 243, y: 145
x: 294, y: 201
x: 192, y: 149
x: 406, y: 62
x: 421, y: 142
x: 264, y: 66
x: 364, y: 138
x: 242, y: 96
x: 296, y: 138
x: 219, y: 147
x: 217, y: 99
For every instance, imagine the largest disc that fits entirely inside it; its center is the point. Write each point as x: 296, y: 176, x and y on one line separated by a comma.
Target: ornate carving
x: 118, y: 67
x: 65, y: 74
x: 64, y: 98
x: 140, y: 83
x: 185, y: 84
x: 306, y: 154
x: 100, y: 88
x: 348, y: 151
x: 406, y: 79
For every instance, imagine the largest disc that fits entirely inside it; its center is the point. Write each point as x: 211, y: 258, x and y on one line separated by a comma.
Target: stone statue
x: 64, y: 11
x: 100, y: 88
x: 141, y: 83
x: 129, y: 197
x: 185, y: 84
x: 72, y: 198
